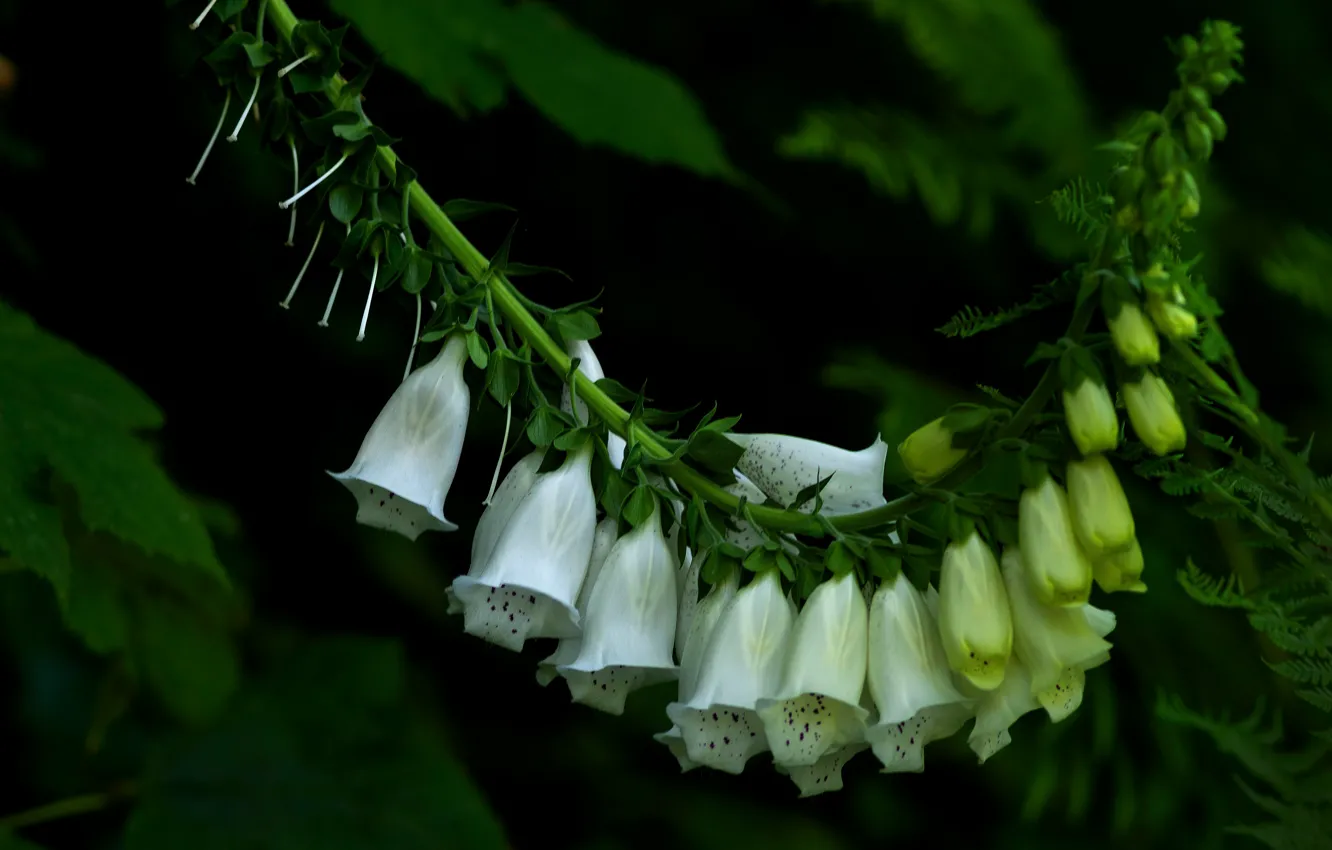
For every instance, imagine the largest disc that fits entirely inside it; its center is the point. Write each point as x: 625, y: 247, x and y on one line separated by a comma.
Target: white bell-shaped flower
x: 909, y: 678
x: 741, y: 664
x: 782, y: 466
x: 590, y: 366
x: 566, y: 651
x: 1000, y: 708
x: 707, y: 613
x: 1049, y: 639
x: 687, y: 582
x: 745, y: 535
x: 817, y: 708
x: 630, y: 626
x: 823, y: 775
x: 497, y: 514
x: 1065, y: 696
x: 406, y: 464
x: 974, y: 619
x: 529, y: 585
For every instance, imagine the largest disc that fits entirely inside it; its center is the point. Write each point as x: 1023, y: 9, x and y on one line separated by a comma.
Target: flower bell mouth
x: 407, y: 462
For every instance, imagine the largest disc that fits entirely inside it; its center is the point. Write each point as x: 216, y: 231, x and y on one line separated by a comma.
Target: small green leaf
x: 345, y: 202
x: 639, y: 506
x: 503, y: 377
x: 478, y: 349
x: 713, y: 451
x: 306, y: 82
x: 416, y: 274
x: 461, y: 209
x: 259, y: 54
x: 883, y: 563
x: 320, y: 130
x: 784, y: 565
x: 839, y: 559
x: 544, y: 426
x: 351, y: 132
x: 759, y: 559
x: 576, y: 326
x: 525, y: 270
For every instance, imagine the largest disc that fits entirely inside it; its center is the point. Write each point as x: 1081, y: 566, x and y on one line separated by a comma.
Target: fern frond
x: 969, y: 321
x: 1083, y: 206
x: 1306, y: 671
x: 1210, y: 590
x: 997, y: 396
x: 1320, y: 698
x: 1155, y: 467
x: 1302, y: 267
x: 1184, y: 485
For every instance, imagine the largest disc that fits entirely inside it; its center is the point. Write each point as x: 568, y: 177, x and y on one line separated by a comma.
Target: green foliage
x: 1302, y: 267
x: 970, y: 321
x: 322, y: 753
x: 1005, y: 68
x: 85, y: 505
x: 1300, y: 802
x: 467, y: 52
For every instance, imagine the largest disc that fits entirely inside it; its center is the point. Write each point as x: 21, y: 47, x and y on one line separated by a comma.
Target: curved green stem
x: 514, y: 307
x: 82, y: 804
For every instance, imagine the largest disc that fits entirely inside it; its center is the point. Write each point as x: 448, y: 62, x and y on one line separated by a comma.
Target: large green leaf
x: 63, y: 411
x: 84, y: 504
x: 323, y: 754
x: 463, y: 52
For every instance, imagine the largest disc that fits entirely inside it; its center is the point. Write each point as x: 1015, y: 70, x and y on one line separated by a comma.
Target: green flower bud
x: 1120, y: 571
x: 1197, y: 139
x: 974, y: 619
x: 1188, y: 47
x: 1215, y: 123
x: 929, y: 452
x: 1173, y: 320
x: 1057, y: 568
x: 1163, y: 156
x: 1198, y: 97
x: 1151, y: 408
x: 1090, y: 414
x: 1134, y: 336
x: 1190, y: 199
x: 1217, y: 82
x: 1101, y: 515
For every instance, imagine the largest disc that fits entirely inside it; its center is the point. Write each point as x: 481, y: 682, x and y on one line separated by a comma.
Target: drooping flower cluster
x: 869, y: 661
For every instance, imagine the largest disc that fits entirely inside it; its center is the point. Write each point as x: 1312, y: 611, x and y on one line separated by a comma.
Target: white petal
x: 999, y: 709
x: 706, y: 617
x: 406, y: 464
x: 745, y: 535
x: 901, y: 746
x: 782, y: 466
x: 1064, y: 697
x: 590, y: 366
x: 1049, y: 638
x: 566, y: 651
x: 817, y: 708
x: 674, y: 741
x: 908, y: 668
x: 630, y: 626
x: 495, y: 518
x: 825, y: 774
x: 539, y: 562
x: 741, y: 664
x: 687, y: 581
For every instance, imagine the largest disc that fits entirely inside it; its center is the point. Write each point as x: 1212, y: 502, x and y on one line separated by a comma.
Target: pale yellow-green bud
x: 1151, y: 408
x: 1058, y: 569
x: 1135, y: 337
x: 1101, y: 515
x: 1173, y: 320
x: 1120, y: 571
x: 1090, y: 414
x: 974, y: 619
x: 929, y: 453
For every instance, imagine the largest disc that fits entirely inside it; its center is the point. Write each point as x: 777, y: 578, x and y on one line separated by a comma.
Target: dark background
x: 710, y: 293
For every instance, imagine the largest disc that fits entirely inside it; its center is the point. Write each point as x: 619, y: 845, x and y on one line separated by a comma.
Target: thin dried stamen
x: 365, y: 316
x: 203, y: 14
x: 290, y: 295
x: 333, y: 296
x: 241, y: 123
x: 494, y: 479
x: 282, y: 72
x: 320, y: 179
x: 296, y: 184
x: 411, y: 355
x: 226, y: 103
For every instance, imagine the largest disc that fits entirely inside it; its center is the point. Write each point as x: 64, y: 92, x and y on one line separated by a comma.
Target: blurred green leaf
x: 464, y: 52
x: 64, y: 411
x: 321, y: 754
x: 10, y: 841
